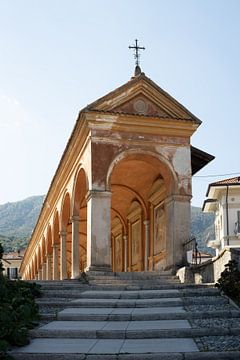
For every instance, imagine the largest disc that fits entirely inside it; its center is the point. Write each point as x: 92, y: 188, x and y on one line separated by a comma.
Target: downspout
x: 227, y: 216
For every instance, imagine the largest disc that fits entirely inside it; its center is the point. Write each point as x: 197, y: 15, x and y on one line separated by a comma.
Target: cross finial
x: 136, y: 52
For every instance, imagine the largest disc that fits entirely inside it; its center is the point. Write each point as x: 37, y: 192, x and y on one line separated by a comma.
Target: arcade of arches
x: 120, y: 198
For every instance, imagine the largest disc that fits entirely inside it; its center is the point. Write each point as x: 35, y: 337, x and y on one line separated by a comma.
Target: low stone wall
x: 210, y: 271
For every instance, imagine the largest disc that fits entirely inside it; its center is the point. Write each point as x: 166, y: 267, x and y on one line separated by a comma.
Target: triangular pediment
x: 141, y: 96
x: 141, y: 105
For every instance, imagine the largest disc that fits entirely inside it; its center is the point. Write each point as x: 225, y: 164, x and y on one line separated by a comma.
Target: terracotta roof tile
x: 232, y: 181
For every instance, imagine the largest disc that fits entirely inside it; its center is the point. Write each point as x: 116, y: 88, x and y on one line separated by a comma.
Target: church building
x: 120, y: 197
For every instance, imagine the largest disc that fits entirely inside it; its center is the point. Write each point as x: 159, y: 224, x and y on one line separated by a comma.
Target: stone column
x: 63, y: 255
x: 40, y: 274
x: 30, y: 272
x: 146, y: 229
x: 75, y: 247
x: 49, y: 267
x: 55, y: 262
x: 98, y: 230
x: 178, y: 215
x: 44, y: 272
x: 125, y: 238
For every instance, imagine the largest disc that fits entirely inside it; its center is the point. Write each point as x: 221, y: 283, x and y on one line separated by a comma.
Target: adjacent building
x: 11, y: 264
x: 223, y: 198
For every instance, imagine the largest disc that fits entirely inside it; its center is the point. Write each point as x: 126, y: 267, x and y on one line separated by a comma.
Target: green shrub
x: 229, y: 282
x: 18, y: 311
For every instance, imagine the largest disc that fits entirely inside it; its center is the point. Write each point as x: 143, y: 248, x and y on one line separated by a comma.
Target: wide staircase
x: 130, y: 316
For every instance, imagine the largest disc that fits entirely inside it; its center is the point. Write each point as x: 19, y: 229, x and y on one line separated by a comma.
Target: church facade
x: 120, y: 198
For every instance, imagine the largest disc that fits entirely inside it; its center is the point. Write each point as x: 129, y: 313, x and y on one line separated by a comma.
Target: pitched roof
x: 232, y: 181
x: 107, y: 103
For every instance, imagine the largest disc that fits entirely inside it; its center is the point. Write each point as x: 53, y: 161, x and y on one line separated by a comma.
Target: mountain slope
x: 18, y: 219
x: 202, y: 227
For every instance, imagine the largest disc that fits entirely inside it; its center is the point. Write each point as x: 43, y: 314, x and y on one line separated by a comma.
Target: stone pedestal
x: 98, y: 231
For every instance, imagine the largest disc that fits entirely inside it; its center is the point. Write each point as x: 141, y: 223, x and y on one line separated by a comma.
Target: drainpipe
x: 227, y: 216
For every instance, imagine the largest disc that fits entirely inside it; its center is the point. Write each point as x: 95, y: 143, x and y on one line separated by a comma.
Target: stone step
x: 134, y: 294
x: 122, y: 349
x: 136, y: 282
x: 128, y: 330
x: 171, y: 301
x: 102, y: 347
x: 227, y: 355
x: 122, y: 303
x: 129, y: 274
x: 132, y: 314
x: 79, y: 286
x: 134, y: 277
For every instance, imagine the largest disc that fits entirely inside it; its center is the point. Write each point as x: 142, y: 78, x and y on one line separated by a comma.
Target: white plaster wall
x: 180, y: 157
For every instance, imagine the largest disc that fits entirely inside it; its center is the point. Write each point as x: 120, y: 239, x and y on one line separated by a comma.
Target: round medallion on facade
x: 140, y: 106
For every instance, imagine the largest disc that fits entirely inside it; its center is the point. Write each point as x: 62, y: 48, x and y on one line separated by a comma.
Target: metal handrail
x: 196, y: 255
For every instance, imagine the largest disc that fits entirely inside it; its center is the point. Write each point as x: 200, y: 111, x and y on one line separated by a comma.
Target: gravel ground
x: 217, y: 322
x: 218, y: 343
x: 209, y: 307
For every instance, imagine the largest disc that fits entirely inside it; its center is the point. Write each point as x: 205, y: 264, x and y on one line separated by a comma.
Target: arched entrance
x: 140, y: 184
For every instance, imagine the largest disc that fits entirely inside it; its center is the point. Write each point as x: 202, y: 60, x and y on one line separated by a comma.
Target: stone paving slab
x: 116, y: 325
x: 74, y: 325
x: 108, y: 346
x: 60, y: 346
x: 126, y: 302
x: 158, y: 310
x: 129, y: 294
x: 121, y: 313
x: 158, y: 345
x: 158, y: 324
x: 156, y: 356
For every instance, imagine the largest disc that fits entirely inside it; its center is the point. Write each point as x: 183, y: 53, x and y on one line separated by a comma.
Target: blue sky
x: 57, y: 56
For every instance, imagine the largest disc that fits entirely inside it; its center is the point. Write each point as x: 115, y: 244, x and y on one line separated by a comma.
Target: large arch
x: 157, y: 160
x: 140, y: 183
x: 79, y: 223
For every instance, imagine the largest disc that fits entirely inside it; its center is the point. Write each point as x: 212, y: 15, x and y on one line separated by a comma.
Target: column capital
x: 75, y: 218
x: 97, y: 194
x: 62, y: 233
x: 177, y: 198
x: 146, y: 222
x: 55, y: 246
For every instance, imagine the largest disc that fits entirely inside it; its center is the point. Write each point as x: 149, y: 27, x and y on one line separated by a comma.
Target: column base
x: 98, y: 269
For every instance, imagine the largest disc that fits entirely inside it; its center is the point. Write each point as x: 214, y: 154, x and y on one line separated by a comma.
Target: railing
x: 191, y: 248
